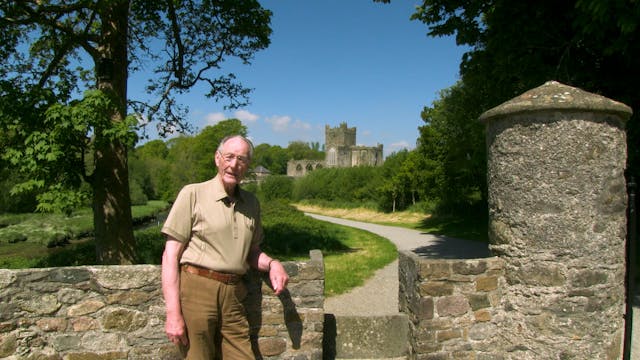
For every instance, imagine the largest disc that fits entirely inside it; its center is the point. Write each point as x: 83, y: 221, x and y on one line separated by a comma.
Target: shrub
x: 289, y: 233
x: 276, y: 187
x: 149, y: 245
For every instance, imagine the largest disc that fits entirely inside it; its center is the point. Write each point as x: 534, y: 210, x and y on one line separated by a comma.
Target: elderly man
x: 213, y: 235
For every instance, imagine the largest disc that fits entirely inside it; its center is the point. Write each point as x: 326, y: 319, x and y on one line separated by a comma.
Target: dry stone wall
x: 117, y: 312
x: 454, y: 306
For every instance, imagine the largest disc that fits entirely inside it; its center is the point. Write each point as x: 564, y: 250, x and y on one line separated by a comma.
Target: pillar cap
x: 555, y: 96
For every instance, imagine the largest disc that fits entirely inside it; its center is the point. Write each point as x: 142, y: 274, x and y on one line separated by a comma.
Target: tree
x: 190, y: 159
x: 272, y: 157
x: 47, y: 51
x: 516, y: 46
x: 452, y: 144
x: 300, y: 150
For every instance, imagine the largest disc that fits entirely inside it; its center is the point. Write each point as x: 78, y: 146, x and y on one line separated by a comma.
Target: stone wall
x: 557, y: 224
x: 117, y: 312
x: 454, y: 306
x: 299, y: 168
x: 556, y: 157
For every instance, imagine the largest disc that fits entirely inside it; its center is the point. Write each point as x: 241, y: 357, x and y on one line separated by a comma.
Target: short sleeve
x: 258, y: 233
x: 179, y: 222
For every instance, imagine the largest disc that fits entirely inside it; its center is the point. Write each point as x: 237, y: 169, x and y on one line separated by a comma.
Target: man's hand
x: 278, y: 276
x: 176, y: 330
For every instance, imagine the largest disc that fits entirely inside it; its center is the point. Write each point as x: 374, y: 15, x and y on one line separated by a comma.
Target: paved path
x: 379, y: 294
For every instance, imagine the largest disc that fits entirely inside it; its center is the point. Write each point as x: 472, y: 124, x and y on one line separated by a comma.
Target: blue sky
x: 329, y: 62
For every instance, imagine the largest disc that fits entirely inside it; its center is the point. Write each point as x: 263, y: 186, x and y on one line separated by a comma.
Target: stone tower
x: 341, y: 149
x: 338, y: 144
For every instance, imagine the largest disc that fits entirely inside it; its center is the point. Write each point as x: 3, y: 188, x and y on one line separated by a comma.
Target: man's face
x: 232, y: 162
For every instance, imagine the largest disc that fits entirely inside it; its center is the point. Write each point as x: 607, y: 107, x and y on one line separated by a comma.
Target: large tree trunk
x: 115, y: 243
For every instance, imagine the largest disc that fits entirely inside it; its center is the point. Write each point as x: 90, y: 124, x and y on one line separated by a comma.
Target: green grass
x: 367, y: 253
x: 44, y: 240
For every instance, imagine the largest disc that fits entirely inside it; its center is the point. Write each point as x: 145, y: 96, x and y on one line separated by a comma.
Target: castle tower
x: 338, y: 144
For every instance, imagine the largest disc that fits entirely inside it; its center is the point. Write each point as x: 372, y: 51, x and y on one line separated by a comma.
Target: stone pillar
x: 557, y: 216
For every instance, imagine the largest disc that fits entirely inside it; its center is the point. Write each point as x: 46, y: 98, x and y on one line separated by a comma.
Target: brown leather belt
x: 225, y: 278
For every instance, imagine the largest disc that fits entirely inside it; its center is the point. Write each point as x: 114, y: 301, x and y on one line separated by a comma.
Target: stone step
x: 366, y: 337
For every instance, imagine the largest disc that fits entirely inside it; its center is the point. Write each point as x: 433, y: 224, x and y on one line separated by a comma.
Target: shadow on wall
x: 266, y: 330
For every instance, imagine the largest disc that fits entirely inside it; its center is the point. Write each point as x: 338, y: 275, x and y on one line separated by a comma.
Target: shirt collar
x: 220, y: 193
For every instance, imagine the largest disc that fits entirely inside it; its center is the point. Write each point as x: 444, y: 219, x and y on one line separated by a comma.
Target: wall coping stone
x: 553, y: 95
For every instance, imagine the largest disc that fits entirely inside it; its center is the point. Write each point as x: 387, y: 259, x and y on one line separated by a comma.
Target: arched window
x: 332, y: 158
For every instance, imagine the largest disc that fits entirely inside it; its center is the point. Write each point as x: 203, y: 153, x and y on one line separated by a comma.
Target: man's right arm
x: 174, y: 325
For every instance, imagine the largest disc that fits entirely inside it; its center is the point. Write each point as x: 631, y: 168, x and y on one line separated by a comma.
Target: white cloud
x: 399, y: 146
x: 279, y: 123
x: 214, y: 118
x: 246, y: 116
x: 301, y: 125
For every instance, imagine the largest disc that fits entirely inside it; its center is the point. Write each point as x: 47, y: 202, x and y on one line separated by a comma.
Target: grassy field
x: 44, y: 240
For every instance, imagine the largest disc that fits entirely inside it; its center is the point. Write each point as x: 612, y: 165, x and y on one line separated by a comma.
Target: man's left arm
x: 263, y: 262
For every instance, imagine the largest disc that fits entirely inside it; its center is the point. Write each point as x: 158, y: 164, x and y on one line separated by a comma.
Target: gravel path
x: 379, y: 294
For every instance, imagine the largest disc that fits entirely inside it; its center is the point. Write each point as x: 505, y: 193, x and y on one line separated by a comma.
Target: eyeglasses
x: 228, y: 158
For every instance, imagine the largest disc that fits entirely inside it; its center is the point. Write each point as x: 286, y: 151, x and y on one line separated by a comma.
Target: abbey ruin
x: 341, y: 151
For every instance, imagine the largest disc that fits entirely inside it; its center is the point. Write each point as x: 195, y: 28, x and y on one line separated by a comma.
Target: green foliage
x: 274, y: 158
x: 161, y: 169
x: 276, y: 187
x: 470, y: 223
x: 23, y: 203
x: 452, y: 144
x: 357, y: 184
x: 57, y: 229
x: 289, y: 233
x: 299, y: 150
x: 52, y: 158
x: 150, y: 243
x: 514, y: 47
x: 49, y: 50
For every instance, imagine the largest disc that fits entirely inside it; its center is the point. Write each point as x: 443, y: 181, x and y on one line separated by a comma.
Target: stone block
x: 469, y: 267
x: 479, y: 301
x: 455, y: 305
x: 85, y: 307
x: 446, y: 335
x: 436, y: 288
x: 425, y: 308
x: 434, y: 270
x: 486, y: 283
x: 52, y: 324
x: 272, y: 346
x: 124, y: 320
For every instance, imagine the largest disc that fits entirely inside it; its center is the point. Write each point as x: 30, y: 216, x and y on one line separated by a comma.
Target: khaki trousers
x: 216, y: 320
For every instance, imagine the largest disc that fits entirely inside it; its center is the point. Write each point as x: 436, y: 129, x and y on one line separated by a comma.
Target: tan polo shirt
x: 217, y: 236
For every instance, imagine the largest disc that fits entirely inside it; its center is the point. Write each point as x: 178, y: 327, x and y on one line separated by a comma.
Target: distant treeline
x: 159, y: 168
